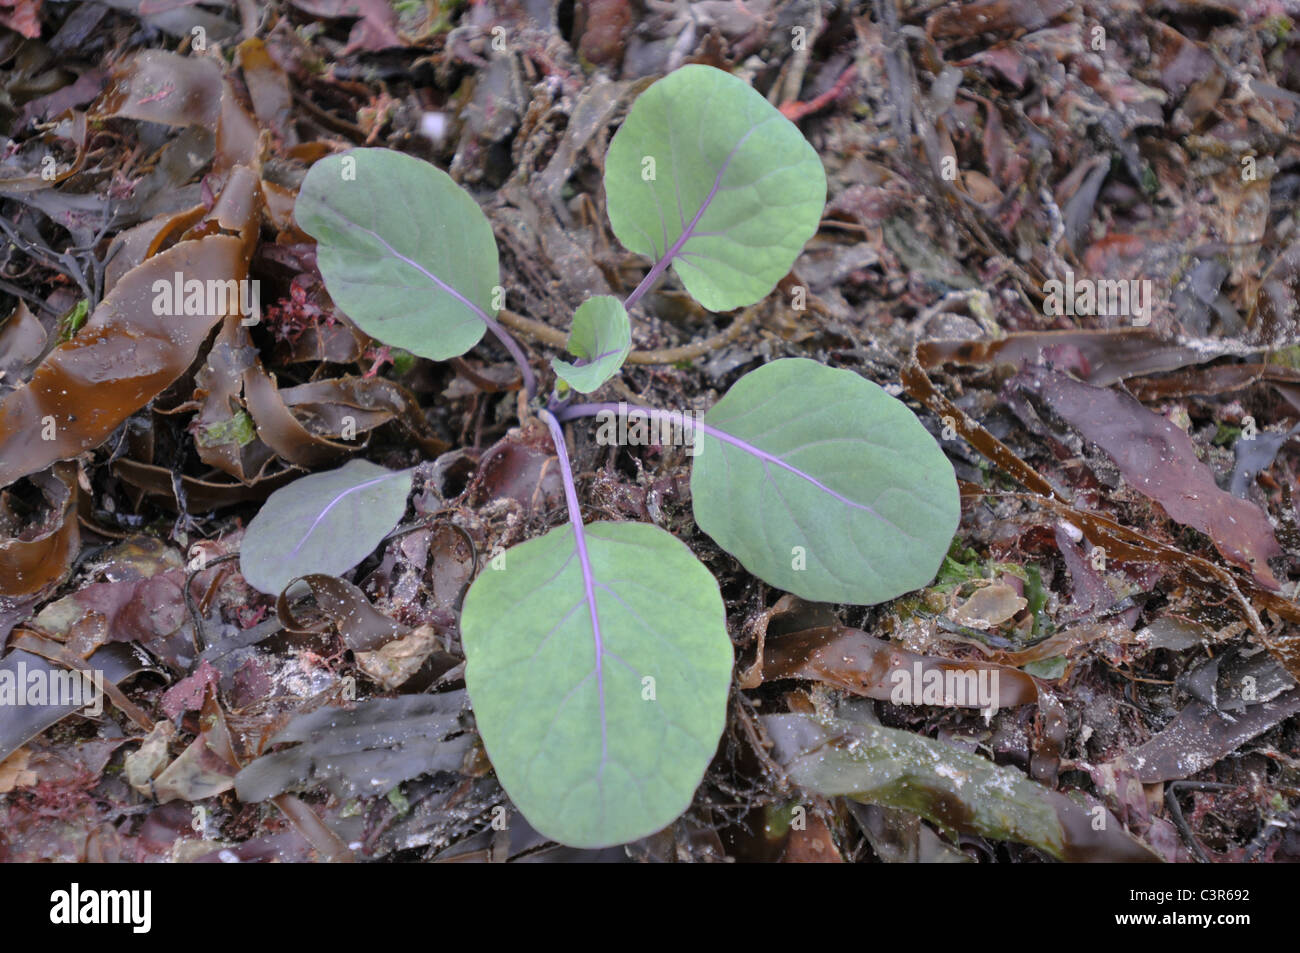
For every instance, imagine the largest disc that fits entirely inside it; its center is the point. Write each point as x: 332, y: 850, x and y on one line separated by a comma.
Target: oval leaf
x: 598, y: 740
x: 405, y: 252
x: 323, y: 523
x: 823, y: 485
x: 602, y: 337
x: 707, y: 174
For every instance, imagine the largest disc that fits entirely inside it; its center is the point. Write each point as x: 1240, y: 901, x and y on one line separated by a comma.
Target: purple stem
x: 511, y: 345
x: 502, y: 335
x: 653, y: 274
x: 580, y: 541
x: 687, y: 233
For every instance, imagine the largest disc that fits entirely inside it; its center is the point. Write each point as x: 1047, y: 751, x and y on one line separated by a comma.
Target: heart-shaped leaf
x: 323, y: 523
x: 599, y: 678
x: 602, y: 337
x: 823, y: 485
x: 707, y: 175
x: 405, y: 252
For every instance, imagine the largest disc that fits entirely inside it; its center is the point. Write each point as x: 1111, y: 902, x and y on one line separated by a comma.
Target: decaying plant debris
x: 1128, y: 554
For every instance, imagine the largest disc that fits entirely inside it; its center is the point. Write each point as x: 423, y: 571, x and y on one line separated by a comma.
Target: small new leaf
x: 602, y: 338
x: 323, y: 523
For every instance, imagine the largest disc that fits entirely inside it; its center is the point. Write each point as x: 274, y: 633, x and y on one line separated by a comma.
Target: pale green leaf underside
x: 871, y: 509
x: 326, y: 522
x: 719, y: 146
x: 585, y: 772
x: 405, y: 252
x: 601, y: 336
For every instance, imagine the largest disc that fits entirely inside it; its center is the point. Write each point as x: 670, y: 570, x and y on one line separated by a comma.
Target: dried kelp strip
x: 857, y: 662
x: 268, y: 88
x: 35, y: 556
x: 162, y: 87
x: 1120, y: 542
x: 132, y: 246
x: 237, y: 211
x: 20, y: 723
x: 57, y: 652
x: 1101, y: 357
x: 124, y: 357
x: 365, y: 751
x: 969, y: 20
x: 280, y: 429
x: 955, y: 789
x: 1061, y: 643
x: 1200, y: 736
x: 327, y: 844
x: 22, y: 342
x: 224, y: 434
x: 362, y: 627
x: 158, y: 86
x: 1255, y: 456
x: 1159, y: 460
x: 787, y: 614
x: 355, y: 405
x: 201, y: 494
x: 917, y: 383
x: 14, y: 183
x: 1209, y: 381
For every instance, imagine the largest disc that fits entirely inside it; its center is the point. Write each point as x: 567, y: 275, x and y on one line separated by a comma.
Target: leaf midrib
x: 335, y: 502
x: 442, y: 285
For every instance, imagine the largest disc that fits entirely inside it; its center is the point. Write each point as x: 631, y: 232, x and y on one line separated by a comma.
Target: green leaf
x: 707, y: 173
x: 823, y: 485
x: 576, y: 740
x: 323, y: 523
x: 405, y: 252
x: 73, y: 321
x: 601, y: 336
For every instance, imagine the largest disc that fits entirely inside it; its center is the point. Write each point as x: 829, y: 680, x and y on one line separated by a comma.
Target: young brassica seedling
x: 598, y: 658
